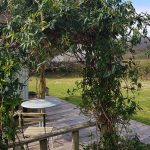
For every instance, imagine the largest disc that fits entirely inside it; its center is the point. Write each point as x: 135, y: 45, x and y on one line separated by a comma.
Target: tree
x: 108, y: 30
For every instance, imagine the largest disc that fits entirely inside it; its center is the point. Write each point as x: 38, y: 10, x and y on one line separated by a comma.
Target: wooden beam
x: 75, y: 140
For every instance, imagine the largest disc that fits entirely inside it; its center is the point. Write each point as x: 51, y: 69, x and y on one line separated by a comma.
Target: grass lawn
x: 144, y: 100
x: 58, y: 87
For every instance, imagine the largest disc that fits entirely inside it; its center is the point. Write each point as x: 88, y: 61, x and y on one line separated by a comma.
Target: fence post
x: 43, y: 144
x: 75, y: 140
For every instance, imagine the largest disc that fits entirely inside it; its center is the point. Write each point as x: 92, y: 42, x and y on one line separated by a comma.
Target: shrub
x: 124, y: 144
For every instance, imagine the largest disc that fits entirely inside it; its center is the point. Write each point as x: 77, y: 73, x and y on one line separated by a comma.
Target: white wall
x: 23, y: 77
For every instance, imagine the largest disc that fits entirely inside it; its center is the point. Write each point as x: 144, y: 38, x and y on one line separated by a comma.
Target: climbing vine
x: 10, y: 89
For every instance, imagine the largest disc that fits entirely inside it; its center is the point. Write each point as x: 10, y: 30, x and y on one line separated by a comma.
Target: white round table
x: 38, y: 104
x: 41, y: 104
x: 49, y: 101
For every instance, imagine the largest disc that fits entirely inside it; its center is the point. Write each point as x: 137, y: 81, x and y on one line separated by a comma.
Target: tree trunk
x: 42, y: 83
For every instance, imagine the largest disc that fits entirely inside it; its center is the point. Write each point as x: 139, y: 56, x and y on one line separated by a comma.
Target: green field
x: 59, y: 85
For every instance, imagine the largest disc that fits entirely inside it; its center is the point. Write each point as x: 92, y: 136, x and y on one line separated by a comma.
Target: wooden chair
x: 28, y: 119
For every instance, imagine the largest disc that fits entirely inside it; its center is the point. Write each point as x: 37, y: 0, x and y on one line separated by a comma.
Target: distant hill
x: 143, y: 46
x: 141, y: 50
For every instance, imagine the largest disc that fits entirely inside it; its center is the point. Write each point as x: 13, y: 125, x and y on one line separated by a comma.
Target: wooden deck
x: 65, y: 115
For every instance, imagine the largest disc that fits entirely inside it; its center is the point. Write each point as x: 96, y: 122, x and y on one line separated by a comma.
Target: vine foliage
x: 10, y: 90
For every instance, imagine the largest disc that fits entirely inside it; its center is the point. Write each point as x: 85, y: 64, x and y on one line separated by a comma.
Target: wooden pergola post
x: 43, y: 144
x: 75, y: 140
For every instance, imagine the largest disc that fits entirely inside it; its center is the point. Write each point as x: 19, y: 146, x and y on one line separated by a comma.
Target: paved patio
x: 66, y: 114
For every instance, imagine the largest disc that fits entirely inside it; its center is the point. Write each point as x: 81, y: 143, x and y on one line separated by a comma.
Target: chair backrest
x: 30, y: 118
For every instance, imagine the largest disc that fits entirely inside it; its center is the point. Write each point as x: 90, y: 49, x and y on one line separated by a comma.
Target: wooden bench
x: 27, y: 118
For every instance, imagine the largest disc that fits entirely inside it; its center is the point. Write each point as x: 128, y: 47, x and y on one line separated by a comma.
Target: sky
x: 141, y: 5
